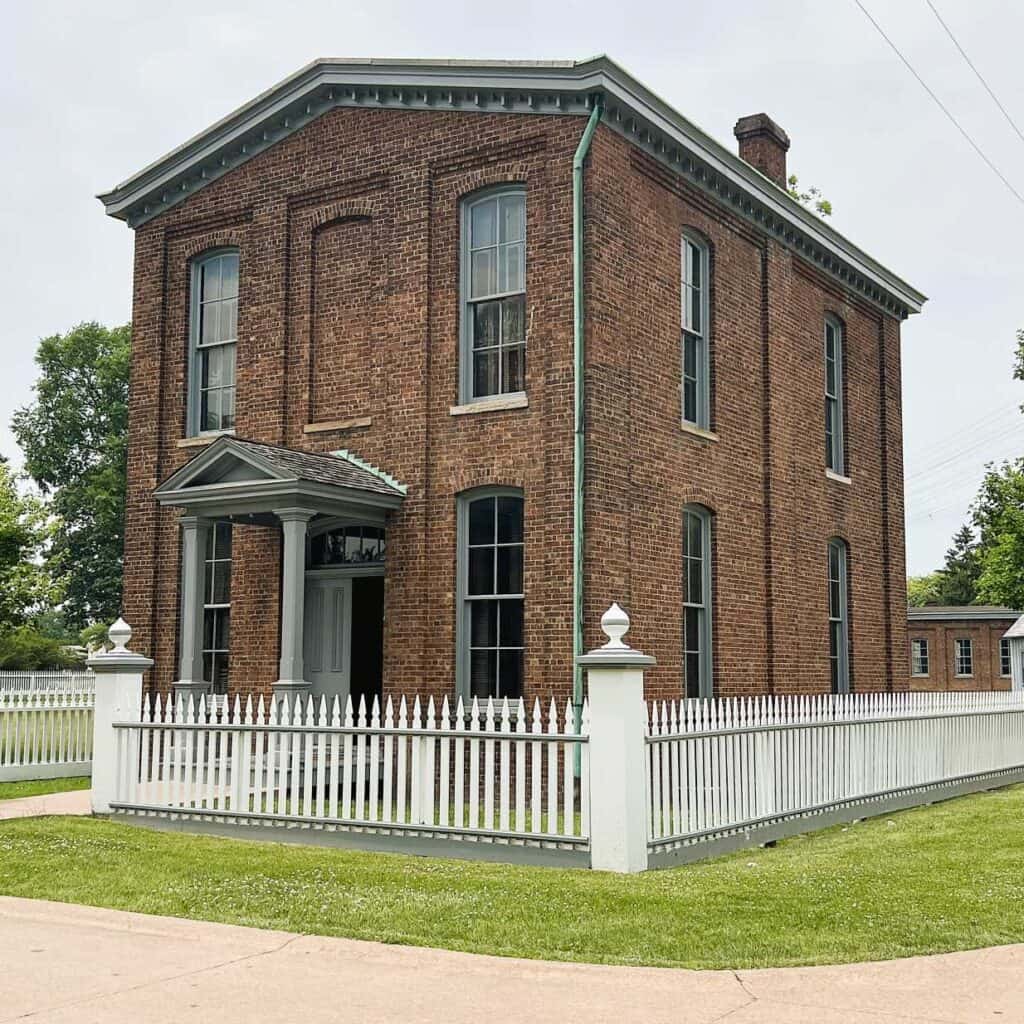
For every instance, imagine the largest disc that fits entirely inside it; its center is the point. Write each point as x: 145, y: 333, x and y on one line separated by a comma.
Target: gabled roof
x: 1016, y: 630
x: 553, y: 87
x: 960, y: 613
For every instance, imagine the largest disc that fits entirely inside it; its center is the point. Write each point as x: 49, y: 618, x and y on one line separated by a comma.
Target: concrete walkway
x: 64, y: 963
x: 77, y: 802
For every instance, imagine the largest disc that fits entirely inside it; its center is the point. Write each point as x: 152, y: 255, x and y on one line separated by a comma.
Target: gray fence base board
x: 717, y: 847
x: 31, y: 772
x: 417, y: 846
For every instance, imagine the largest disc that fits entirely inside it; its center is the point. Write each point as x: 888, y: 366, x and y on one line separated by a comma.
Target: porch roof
x: 238, y: 478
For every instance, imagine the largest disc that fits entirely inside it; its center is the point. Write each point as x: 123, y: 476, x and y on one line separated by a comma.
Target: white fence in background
x: 46, y: 734
x: 732, y: 769
x: 25, y: 683
x: 488, y: 773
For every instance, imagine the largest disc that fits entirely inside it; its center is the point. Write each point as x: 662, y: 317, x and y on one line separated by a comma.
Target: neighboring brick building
x: 959, y: 648
x: 398, y: 260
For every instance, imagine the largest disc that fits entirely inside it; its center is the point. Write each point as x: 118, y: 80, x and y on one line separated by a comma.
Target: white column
x: 118, y: 699
x: 195, y: 533
x: 293, y: 599
x: 618, y: 812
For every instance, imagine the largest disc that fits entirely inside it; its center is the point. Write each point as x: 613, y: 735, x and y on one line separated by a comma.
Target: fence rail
x: 721, y: 769
x: 45, y: 734
x: 20, y: 684
x: 487, y: 773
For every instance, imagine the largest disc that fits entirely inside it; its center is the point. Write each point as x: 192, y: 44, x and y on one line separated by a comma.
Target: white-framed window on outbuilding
x: 491, y: 595
x: 696, y: 362
x: 919, y: 656
x: 697, y: 625
x: 838, y: 616
x: 217, y: 605
x: 214, y: 342
x: 835, y: 450
x: 1005, y: 666
x: 493, y: 319
x: 964, y: 656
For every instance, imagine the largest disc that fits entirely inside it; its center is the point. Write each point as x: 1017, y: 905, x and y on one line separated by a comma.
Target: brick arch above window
x: 344, y: 209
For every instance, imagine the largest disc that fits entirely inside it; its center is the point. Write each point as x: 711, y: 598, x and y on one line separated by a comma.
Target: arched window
x: 345, y: 546
x: 491, y: 593
x: 838, y: 617
x: 493, y: 294
x: 835, y: 451
x: 696, y: 366
x: 214, y: 337
x: 697, y: 632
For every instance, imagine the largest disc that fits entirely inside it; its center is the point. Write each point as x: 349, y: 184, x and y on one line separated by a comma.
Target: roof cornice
x: 556, y: 87
x: 965, y: 613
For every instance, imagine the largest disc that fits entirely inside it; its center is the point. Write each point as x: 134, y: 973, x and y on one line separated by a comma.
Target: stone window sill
x: 327, y: 425
x: 496, y: 404
x: 920, y: 675
x: 699, y: 432
x: 838, y: 477
x: 959, y: 676
x: 201, y: 440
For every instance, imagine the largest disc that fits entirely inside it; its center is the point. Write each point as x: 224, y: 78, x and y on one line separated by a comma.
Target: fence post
x: 618, y: 801
x: 118, y: 699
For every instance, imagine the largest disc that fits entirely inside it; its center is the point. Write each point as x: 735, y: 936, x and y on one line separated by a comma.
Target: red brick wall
x: 941, y: 637
x: 348, y: 240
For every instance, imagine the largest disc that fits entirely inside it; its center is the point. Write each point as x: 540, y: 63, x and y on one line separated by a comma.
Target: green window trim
x: 963, y: 657
x: 919, y: 657
x: 698, y: 632
x: 695, y: 317
x: 838, y: 615
x: 835, y: 413
x: 213, y: 343
x: 1005, y: 661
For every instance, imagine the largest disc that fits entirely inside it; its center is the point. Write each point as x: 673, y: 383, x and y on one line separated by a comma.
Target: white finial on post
x: 615, y: 625
x: 120, y: 633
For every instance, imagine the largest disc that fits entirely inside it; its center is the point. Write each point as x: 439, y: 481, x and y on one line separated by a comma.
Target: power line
x: 924, y: 85
x: 970, y: 64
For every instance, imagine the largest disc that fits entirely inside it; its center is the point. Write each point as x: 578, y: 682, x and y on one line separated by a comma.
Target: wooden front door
x: 327, y: 635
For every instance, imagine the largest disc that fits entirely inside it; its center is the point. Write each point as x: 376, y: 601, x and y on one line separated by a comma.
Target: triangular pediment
x: 226, y: 461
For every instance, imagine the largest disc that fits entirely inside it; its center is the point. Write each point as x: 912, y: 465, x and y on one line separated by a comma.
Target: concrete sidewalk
x: 69, y: 963
x: 76, y: 801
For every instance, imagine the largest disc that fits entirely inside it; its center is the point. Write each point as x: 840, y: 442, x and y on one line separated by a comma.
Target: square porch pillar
x: 195, y: 534
x: 291, y: 674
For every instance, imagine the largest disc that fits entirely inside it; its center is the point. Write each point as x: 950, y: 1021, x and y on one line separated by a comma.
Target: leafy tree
x: 1018, y: 360
x: 73, y: 436
x: 26, y: 587
x: 924, y: 590
x: 26, y: 649
x: 812, y: 198
x: 959, y: 576
x: 998, y: 513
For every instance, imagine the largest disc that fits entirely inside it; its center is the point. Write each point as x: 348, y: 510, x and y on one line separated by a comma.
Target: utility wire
x: 970, y: 64
x: 959, y: 127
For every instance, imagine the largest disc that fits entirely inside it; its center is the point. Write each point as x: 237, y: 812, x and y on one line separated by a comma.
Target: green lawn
x: 934, y: 879
x: 37, y: 787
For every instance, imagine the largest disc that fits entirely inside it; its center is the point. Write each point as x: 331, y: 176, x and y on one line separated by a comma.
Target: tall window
x: 964, y: 657
x: 835, y: 458
x: 838, y: 621
x: 491, y: 585
x: 696, y: 371
x: 1005, y: 668
x: 494, y: 294
x: 696, y: 601
x: 214, y: 342
x: 919, y: 657
x: 217, y: 606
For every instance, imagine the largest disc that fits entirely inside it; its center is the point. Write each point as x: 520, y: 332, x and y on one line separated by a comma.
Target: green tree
x: 26, y: 649
x: 998, y: 513
x: 959, y: 576
x: 73, y: 436
x: 812, y: 197
x: 924, y: 590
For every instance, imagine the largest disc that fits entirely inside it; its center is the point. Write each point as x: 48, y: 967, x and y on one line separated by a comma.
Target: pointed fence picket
x: 46, y: 733
x: 487, y: 772
x: 726, y: 767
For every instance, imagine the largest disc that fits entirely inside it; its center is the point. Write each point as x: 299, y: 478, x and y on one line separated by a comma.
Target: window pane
x: 222, y: 535
x: 690, y: 400
x: 695, y: 535
x: 209, y: 617
x: 691, y: 668
x: 513, y: 218
x: 696, y: 312
x: 512, y: 267
x: 483, y: 673
x: 510, y: 520
x: 510, y: 570
x: 695, y: 265
x: 481, y: 521
x: 229, y: 320
x: 227, y: 409
x: 486, y: 324
x: 210, y: 413
x: 221, y: 583
x: 510, y: 674
x: 511, y: 634
x: 229, y: 275
x: 513, y: 320
x: 483, y: 273
x: 513, y: 369
x: 692, y: 623
x: 481, y: 570
x: 483, y: 630
x: 212, y: 359
x: 209, y: 322
x: 689, y: 356
x: 209, y: 284
x: 483, y: 223
x: 220, y: 634
x: 485, y: 373
x: 694, y: 581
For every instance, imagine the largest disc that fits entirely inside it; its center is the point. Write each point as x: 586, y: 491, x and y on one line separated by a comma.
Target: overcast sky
x: 90, y: 93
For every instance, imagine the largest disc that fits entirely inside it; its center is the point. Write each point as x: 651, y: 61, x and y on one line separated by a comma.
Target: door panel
x: 327, y: 631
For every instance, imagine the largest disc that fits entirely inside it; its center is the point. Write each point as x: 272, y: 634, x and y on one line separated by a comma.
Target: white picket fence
x: 727, y: 768
x: 19, y: 684
x: 46, y: 734
x: 487, y: 773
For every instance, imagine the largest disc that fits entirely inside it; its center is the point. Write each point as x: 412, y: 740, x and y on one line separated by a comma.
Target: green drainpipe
x: 579, y: 429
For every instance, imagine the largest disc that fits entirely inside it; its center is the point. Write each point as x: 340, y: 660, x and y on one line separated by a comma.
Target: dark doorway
x: 367, y: 664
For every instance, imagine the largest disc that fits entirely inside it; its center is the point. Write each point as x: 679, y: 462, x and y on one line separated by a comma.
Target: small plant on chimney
x: 812, y: 198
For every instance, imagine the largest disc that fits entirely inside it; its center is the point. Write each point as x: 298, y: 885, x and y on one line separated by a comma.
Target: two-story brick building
x: 434, y: 360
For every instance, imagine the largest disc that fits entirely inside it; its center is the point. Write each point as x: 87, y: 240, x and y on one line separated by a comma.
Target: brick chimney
x: 763, y: 144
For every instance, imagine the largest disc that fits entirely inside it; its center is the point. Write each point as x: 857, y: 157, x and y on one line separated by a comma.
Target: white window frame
x: 835, y: 443
x: 1005, y: 658
x: 963, y: 657
x: 693, y: 248
x: 196, y: 347
x: 920, y: 658
x: 839, y: 618
x: 468, y: 301
x: 463, y: 676
x: 703, y: 608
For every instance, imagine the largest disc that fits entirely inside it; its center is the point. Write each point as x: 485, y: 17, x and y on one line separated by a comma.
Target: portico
x: 335, y: 497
